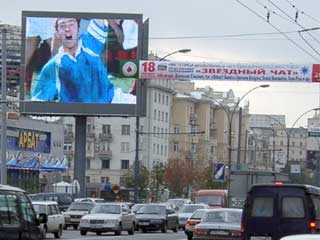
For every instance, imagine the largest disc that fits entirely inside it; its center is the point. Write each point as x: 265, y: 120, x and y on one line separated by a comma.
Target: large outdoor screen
x: 71, y: 63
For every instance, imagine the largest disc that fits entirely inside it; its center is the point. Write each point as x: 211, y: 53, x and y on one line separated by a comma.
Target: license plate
x: 215, y: 232
x: 260, y: 238
x: 144, y: 223
x: 97, y: 226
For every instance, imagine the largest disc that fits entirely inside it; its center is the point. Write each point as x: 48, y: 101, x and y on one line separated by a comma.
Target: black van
x: 64, y: 200
x: 18, y: 219
x: 275, y: 210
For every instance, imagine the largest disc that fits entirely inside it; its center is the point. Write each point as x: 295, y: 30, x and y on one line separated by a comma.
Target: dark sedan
x: 154, y: 217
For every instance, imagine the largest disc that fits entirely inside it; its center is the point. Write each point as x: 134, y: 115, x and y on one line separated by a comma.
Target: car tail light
x: 278, y: 183
x: 313, y: 226
x: 235, y: 233
x: 242, y: 231
x: 199, y: 231
x: 191, y: 223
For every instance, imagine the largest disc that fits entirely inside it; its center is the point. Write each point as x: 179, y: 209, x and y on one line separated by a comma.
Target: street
x: 75, y: 235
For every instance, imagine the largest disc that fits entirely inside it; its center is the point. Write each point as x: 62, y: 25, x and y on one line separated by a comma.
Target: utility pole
x: 137, y: 164
x: 239, y: 139
x: 4, y: 107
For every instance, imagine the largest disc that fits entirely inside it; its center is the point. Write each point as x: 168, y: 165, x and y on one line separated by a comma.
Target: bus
x: 214, y: 198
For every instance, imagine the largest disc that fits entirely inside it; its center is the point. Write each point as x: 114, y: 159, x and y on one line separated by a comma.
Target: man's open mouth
x: 69, y: 37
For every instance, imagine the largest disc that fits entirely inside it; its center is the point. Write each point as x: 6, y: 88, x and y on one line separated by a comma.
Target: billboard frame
x: 81, y: 109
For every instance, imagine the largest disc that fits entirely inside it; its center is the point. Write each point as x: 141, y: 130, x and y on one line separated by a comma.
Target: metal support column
x: 137, y: 164
x: 4, y: 107
x: 239, y: 139
x: 80, y: 153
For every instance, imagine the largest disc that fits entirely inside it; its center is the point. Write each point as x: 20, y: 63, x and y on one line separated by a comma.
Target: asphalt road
x: 75, y: 235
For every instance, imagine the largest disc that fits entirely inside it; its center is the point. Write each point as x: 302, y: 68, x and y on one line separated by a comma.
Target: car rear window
x: 262, y: 207
x: 292, y: 207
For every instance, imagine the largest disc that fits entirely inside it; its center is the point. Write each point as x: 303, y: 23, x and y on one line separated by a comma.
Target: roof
x: 309, y: 188
x: 10, y: 188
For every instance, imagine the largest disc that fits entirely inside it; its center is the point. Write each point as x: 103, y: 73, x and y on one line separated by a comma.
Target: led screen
x: 71, y: 62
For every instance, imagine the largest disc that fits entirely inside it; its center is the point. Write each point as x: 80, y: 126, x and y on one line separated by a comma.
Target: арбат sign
x: 227, y: 71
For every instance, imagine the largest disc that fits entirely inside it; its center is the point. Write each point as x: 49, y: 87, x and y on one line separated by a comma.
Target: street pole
x: 137, y: 164
x: 239, y: 139
x: 4, y: 107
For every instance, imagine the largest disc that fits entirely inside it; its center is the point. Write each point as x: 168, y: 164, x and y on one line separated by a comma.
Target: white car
x: 108, y: 217
x: 302, y: 237
x: 186, y: 211
x: 75, y: 212
x: 97, y: 200
x: 55, y: 221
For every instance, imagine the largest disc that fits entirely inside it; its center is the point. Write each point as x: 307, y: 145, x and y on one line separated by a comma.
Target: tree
x: 157, y: 179
x: 178, y: 175
x: 143, y: 179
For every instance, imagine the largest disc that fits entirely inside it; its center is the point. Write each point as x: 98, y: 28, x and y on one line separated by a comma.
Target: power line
x: 302, y: 12
x: 283, y: 33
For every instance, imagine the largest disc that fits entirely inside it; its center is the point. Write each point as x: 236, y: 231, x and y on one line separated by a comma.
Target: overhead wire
x: 303, y: 12
x: 285, y: 35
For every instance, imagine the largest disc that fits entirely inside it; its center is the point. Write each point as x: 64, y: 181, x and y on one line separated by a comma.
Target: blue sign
x: 19, y: 139
x: 218, y: 172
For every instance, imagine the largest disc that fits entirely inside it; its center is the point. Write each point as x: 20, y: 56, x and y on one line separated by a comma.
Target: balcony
x: 105, y: 137
x: 105, y: 154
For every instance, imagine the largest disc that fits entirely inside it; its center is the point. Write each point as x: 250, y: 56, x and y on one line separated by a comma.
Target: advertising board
x: 71, y: 62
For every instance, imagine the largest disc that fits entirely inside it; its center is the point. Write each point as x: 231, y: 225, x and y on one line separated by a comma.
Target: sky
x: 231, y: 31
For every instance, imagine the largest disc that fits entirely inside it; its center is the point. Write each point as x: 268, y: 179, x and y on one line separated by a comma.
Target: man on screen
x: 76, y: 73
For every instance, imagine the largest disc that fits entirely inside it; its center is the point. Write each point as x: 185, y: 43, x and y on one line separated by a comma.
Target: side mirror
x: 43, y: 218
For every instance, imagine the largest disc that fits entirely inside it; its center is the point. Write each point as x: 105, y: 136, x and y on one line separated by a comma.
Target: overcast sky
x: 205, y: 27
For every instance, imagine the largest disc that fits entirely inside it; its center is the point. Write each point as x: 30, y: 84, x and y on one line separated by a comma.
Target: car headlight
x: 111, y: 221
x: 84, y: 221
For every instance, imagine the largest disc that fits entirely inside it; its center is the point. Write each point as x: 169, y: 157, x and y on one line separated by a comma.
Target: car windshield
x: 39, y: 208
x: 222, y: 217
x: 189, y: 208
x: 178, y: 202
x: 209, y: 199
x: 152, y: 209
x: 136, y: 207
x: 80, y: 207
x: 197, y: 214
x: 106, y: 208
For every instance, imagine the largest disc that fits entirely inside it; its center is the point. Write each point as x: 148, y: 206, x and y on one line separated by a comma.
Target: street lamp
x: 136, y: 161
x: 185, y: 50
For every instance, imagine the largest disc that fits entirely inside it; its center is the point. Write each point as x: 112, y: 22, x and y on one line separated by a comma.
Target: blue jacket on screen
x: 83, y: 78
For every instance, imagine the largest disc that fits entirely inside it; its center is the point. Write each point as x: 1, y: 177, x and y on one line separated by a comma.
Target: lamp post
x: 230, y: 120
x: 185, y: 50
x: 136, y: 161
x: 4, y: 107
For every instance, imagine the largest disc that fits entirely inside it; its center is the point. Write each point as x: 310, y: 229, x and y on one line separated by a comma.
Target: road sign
x: 218, y: 172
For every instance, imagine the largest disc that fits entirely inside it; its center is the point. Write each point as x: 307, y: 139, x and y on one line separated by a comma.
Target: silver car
x: 186, y: 211
x: 75, y: 212
x: 108, y: 217
x: 219, y: 223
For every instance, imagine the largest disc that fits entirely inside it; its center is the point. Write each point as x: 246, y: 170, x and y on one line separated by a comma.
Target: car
x: 276, y: 210
x: 63, y: 199
x: 108, y: 217
x: 75, y: 212
x: 186, y: 211
x: 302, y: 237
x: 18, y: 219
x: 55, y: 220
x: 219, y: 223
x: 178, y: 202
x: 101, y: 200
x: 192, y: 221
x: 136, y: 207
x: 154, y: 217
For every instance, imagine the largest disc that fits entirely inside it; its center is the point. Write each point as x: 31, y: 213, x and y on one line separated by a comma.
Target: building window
x: 154, y: 114
x: 176, y: 147
x: 193, y: 148
x: 125, y: 129
x: 162, y: 116
x: 165, y: 150
x: 104, y: 179
x: 167, y: 100
x: 301, y: 144
x: 122, y: 181
x: 154, y: 131
x: 167, y: 117
x: 212, y: 149
x: 106, y: 128
x: 176, y: 130
x: 87, y: 179
x: 159, y: 97
x: 154, y: 149
x: 155, y: 97
x: 88, y: 163
x: 281, y: 143
x: 293, y: 143
x: 159, y: 115
x: 105, y: 163
x: 161, y: 150
x: 157, y: 149
x: 162, y: 99
x: 124, y: 164
x: 125, y: 147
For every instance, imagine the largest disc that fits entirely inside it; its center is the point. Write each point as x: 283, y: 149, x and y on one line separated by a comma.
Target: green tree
x: 157, y: 179
x: 143, y: 179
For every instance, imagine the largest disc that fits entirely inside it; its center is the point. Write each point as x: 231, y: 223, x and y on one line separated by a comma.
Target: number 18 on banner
x: 218, y: 172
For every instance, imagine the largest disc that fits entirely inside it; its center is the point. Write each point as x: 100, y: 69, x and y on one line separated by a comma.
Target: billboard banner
x: 72, y: 59
x: 222, y: 71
